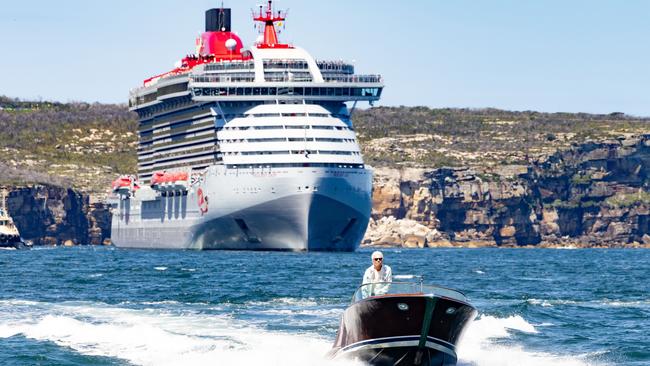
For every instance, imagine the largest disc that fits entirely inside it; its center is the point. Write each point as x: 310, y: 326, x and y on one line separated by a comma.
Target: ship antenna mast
x: 269, y: 18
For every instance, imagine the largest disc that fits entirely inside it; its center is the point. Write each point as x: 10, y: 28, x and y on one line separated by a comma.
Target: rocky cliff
x: 592, y: 194
x: 49, y: 215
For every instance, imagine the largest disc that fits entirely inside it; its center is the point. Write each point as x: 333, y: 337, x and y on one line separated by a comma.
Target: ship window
x: 256, y: 91
x: 273, y: 91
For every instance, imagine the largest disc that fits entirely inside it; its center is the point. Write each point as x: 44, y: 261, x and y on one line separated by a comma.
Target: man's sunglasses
x: 378, y: 259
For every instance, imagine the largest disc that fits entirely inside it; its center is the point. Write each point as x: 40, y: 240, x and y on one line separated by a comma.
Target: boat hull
x: 303, y: 209
x: 8, y: 241
x: 403, y: 329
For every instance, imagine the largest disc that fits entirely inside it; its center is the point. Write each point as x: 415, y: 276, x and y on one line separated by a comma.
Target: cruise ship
x: 247, y: 149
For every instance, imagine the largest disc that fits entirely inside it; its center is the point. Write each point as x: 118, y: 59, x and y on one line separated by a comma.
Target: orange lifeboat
x: 169, y: 181
x: 157, y: 178
x: 125, y: 184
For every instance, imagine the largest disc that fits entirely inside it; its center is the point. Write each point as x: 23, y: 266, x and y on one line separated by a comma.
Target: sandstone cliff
x: 593, y: 194
x: 49, y: 215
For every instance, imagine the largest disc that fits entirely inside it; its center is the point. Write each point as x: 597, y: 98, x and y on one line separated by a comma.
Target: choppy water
x: 104, y: 306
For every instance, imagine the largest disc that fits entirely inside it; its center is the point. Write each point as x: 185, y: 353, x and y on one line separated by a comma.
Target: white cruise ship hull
x: 296, y: 209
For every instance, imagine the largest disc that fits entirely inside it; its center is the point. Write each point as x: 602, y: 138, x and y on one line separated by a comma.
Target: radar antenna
x: 269, y: 17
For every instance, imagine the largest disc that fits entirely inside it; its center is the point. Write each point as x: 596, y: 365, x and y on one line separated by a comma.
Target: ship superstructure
x: 247, y: 149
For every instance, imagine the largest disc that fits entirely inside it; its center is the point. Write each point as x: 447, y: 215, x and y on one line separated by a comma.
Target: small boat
x: 403, y: 322
x: 9, y: 236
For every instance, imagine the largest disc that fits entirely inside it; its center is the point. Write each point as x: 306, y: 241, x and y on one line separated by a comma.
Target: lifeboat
x: 403, y: 322
x: 125, y: 185
x: 157, y: 178
x: 170, y: 181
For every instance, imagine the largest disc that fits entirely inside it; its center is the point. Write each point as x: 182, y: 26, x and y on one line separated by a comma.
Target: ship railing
x: 352, y: 78
x: 335, y: 66
x: 223, y: 78
x: 234, y: 65
x: 289, y: 78
x: 377, y: 289
x: 230, y: 78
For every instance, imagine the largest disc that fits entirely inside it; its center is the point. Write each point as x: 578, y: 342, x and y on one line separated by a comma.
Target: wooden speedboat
x: 403, y: 323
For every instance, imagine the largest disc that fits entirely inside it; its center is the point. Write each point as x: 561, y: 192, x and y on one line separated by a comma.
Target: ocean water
x: 106, y: 306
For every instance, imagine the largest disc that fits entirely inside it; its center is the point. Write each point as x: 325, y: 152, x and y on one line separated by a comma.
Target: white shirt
x: 385, y: 274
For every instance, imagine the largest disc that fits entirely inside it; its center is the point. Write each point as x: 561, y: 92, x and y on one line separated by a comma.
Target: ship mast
x: 269, y: 18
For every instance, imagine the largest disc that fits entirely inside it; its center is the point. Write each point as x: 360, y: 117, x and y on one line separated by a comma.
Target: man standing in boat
x: 379, y: 274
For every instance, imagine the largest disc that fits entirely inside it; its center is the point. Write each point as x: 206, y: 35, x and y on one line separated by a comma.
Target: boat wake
x: 183, y: 334
x: 161, y: 337
x: 485, y: 344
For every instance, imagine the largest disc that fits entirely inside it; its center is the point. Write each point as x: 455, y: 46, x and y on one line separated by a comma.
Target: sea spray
x: 483, y: 345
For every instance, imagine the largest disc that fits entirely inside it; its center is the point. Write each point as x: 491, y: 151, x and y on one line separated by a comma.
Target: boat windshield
x: 404, y: 288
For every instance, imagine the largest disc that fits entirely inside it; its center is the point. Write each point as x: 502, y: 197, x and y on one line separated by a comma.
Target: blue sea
x: 108, y: 306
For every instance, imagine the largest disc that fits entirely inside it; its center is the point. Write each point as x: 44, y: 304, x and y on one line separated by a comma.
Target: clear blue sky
x: 552, y: 55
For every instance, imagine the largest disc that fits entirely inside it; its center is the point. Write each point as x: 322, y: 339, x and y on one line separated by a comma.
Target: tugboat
x: 403, y: 323
x: 9, y: 236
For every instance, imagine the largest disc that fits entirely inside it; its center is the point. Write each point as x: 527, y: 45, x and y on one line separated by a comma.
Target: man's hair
x: 376, y: 254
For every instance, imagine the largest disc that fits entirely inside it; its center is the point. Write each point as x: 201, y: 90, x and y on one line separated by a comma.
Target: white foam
x: 185, y: 334
x: 286, y: 301
x: 483, y: 345
x: 592, y: 303
x: 158, y: 337
x: 543, y: 303
x: 160, y: 268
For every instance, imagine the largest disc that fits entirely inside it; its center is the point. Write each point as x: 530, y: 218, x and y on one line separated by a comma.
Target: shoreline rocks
x: 49, y: 215
x: 595, y: 194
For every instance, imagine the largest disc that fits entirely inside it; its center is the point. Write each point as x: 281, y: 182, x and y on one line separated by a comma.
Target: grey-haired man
x: 379, y: 273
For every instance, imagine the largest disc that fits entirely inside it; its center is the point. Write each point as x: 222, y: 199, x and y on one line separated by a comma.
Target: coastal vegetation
x: 483, y: 138
x: 86, y: 145
x: 67, y: 144
x: 442, y: 176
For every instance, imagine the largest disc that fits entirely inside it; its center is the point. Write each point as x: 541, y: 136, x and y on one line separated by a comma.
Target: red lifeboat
x: 170, y: 181
x: 125, y: 184
x: 157, y: 178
